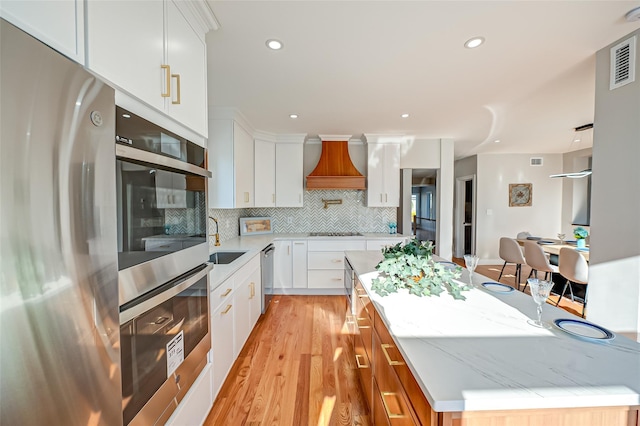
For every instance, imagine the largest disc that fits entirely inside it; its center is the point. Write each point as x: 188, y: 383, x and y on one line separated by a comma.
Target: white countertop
x: 480, y: 353
x: 253, y: 244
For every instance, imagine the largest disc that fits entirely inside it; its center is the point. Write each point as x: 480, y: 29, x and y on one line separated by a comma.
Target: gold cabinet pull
x: 167, y: 79
x: 177, y: 77
x: 252, y: 287
x: 226, y: 293
x: 336, y: 260
x: 358, y: 363
x: 273, y: 198
x: 361, y: 326
x: 391, y: 415
x: 386, y: 346
x: 246, y: 197
x: 228, y: 308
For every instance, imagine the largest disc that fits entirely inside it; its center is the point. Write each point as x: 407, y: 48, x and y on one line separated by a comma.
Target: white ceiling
x: 353, y: 67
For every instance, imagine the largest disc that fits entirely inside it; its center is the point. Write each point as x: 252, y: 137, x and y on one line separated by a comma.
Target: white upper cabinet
x: 151, y: 51
x: 59, y: 24
x: 383, y: 174
x: 231, y: 162
x: 289, y: 175
x: 265, y: 173
x: 279, y: 179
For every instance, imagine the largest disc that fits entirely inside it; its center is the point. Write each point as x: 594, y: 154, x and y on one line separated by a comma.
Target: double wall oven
x: 161, y: 182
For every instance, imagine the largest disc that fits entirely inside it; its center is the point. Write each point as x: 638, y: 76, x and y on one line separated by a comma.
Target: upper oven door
x: 161, y: 212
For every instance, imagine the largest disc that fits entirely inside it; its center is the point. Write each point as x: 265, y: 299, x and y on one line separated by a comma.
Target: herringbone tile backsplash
x: 350, y: 216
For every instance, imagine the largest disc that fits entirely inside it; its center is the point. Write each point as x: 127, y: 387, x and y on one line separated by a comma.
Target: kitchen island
x: 478, y: 361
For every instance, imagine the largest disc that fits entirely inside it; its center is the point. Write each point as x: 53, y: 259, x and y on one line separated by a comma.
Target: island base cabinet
x: 609, y: 416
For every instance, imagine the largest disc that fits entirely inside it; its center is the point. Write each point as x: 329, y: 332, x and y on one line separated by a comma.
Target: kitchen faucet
x: 217, y: 235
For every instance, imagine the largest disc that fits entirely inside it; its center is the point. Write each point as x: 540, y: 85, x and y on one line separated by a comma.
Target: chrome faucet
x: 217, y: 235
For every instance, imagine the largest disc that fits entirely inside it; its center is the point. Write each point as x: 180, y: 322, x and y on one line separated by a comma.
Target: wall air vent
x: 623, y: 63
x: 535, y: 161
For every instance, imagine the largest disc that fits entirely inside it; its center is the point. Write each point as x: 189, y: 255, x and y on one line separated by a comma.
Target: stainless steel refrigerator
x: 59, y: 325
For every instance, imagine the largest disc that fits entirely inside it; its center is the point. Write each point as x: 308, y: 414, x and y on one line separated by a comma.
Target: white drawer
x: 326, y: 260
x: 221, y: 294
x: 380, y: 243
x: 326, y: 279
x: 336, y: 245
x: 245, y: 271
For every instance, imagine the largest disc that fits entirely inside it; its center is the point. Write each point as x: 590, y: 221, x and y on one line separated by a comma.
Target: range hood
x: 335, y: 169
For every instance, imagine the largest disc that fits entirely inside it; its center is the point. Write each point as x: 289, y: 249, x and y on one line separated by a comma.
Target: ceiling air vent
x: 623, y: 63
x: 535, y: 161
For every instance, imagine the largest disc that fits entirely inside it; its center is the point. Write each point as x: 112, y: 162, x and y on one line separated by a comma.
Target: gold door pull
x: 177, y: 77
x: 167, y: 79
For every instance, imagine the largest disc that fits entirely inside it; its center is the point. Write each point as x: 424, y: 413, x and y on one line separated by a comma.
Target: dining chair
x: 574, y: 267
x: 537, y: 259
x: 511, y: 252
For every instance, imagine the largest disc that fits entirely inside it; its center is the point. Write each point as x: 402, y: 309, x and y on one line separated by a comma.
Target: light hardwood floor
x: 297, y: 368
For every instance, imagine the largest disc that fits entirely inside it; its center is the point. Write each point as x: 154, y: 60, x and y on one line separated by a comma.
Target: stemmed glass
x: 540, y: 291
x: 471, y: 261
x: 561, y: 238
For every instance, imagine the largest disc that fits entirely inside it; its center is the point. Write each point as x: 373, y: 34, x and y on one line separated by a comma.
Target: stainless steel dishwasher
x: 266, y: 264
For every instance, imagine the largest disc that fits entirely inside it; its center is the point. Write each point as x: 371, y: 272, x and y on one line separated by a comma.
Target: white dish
x: 497, y: 287
x: 583, y: 329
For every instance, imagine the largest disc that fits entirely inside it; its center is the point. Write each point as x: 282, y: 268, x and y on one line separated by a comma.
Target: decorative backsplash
x: 350, y: 216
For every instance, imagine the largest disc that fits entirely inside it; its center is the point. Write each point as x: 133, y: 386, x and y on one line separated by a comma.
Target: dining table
x: 552, y: 247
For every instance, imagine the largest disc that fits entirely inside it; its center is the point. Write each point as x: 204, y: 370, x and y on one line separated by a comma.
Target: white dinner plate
x: 497, y: 287
x: 448, y: 265
x: 583, y: 329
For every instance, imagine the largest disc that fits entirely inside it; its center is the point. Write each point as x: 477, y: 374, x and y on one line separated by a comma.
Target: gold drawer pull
x: 358, y: 362
x: 337, y: 260
x: 362, y: 326
x: 167, y: 78
x: 386, y: 407
x: 386, y: 346
x: 177, y: 77
x: 226, y: 310
x: 226, y: 293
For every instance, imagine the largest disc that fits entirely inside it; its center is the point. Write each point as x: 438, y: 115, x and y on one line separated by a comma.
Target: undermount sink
x: 225, y: 257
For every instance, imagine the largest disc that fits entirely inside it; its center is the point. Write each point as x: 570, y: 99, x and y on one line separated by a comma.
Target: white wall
x: 444, y: 195
x: 494, y: 217
x: 614, y: 269
x: 572, y: 162
x: 420, y: 154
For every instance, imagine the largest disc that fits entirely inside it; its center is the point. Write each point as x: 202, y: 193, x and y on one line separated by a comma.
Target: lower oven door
x: 164, y: 339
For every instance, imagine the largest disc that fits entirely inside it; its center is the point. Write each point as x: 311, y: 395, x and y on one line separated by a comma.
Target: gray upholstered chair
x: 574, y: 267
x: 511, y: 252
x: 537, y: 259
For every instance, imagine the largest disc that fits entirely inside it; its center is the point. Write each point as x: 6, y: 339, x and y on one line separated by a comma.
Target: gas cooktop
x: 335, y: 234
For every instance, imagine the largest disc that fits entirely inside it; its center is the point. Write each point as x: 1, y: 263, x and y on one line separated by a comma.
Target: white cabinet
x: 247, y: 281
x: 196, y: 404
x: 150, y: 50
x: 59, y: 24
x: 231, y: 159
x: 299, y: 264
x: 282, y: 262
x: 265, y: 173
x: 326, y: 261
x: 289, y: 175
x: 383, y: 175
x: 222, y: 313
x: 290, y: 264
x: 279, y: 176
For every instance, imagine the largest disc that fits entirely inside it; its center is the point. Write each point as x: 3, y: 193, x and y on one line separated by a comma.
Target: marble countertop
x: 480, y: 353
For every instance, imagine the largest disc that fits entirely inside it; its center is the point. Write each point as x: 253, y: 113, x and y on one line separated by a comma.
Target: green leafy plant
x: 411, y: 266
x: 580, y: 233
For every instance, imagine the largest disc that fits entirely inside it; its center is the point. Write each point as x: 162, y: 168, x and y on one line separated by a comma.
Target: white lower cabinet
x: 235, y: 307
x: 299, y: 264
x: 282, y: 261
x: 326, y: 261
x: 196, y: 404
x: 379, y: 243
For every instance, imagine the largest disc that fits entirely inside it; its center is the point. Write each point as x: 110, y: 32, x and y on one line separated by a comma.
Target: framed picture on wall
x: 520, y: 194
x: 255, y: 225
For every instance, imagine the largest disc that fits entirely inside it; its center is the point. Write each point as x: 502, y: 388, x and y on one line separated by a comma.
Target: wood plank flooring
x: 297, y: 368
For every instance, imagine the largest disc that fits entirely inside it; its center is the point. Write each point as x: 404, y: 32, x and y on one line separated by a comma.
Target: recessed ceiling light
x: 274, y: 44
x: 126, y: 115
x: 474, y: 42
x: 496, y: 141
x: 293, y: 115
x: 405, y: 115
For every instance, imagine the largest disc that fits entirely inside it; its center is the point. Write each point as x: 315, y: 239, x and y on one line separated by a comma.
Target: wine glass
x: 471, y: 261
x: 561, y: 237
x: 540, y: 291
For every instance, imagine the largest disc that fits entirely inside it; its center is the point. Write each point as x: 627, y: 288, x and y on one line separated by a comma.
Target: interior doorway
x: 465, y: 227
